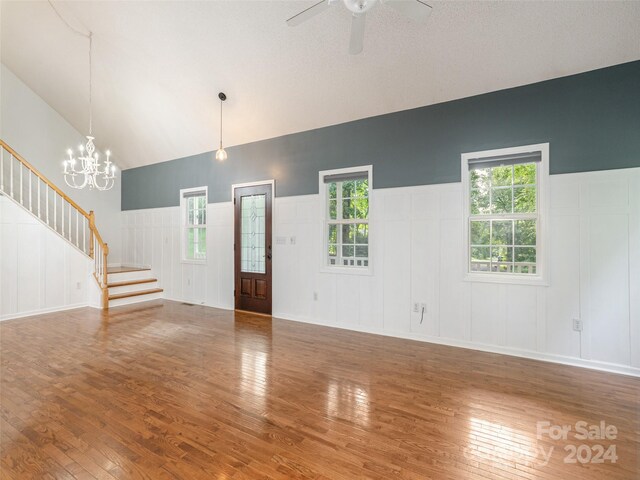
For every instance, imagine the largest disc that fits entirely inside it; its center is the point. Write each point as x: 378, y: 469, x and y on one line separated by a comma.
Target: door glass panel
x: 252, y: 235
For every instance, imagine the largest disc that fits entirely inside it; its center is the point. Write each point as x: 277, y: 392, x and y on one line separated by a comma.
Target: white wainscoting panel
x: 39, y: 271
x: 416, y: 255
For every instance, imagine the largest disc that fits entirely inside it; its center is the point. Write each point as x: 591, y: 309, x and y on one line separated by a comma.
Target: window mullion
x: 505, y: 216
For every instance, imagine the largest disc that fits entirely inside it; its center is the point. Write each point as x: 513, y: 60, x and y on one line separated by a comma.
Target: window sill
x: 361, y: 271
x: 194, y: 262
x: 512, y: 279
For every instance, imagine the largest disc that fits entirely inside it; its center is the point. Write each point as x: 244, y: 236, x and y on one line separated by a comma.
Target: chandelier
x: 85, y: 169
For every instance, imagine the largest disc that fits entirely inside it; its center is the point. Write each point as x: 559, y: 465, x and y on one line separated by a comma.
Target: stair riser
x: 126, y: 276
x: 137, y: 299
x: 132, y: 288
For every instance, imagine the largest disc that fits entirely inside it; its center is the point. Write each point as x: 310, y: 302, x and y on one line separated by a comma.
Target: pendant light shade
x: 221, y: 153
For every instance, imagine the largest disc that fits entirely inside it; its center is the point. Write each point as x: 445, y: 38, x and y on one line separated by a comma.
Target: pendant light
x: 221, y: 154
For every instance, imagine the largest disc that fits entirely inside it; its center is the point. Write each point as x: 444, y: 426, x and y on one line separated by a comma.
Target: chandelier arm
x: 108, y: 184
x: 66, y: 180
x: 73, y: 183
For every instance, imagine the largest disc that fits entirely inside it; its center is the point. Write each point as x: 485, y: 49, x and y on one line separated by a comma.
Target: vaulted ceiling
x: 158, y: 66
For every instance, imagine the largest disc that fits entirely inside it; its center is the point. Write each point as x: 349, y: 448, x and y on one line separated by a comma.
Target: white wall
x: 152, y: 238
x: 417, y: 256
x: 39, y: 271
x: 38, y: 133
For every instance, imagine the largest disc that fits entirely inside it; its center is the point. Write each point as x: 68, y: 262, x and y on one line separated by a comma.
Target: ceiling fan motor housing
x: 359, y: 6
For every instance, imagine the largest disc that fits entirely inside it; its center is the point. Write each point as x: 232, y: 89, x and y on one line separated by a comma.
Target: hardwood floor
x: 168, y: 390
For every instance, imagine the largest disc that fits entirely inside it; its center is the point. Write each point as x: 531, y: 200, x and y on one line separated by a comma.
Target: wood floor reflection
x: 173, y: 391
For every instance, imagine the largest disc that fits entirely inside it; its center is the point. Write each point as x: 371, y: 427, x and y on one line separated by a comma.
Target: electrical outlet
x: 416, y: 307
x: 79, y: 285
x: 577, y: 324
x: 315, y: 296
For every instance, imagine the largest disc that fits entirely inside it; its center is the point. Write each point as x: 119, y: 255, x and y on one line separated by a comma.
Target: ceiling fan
x: 415, y: 10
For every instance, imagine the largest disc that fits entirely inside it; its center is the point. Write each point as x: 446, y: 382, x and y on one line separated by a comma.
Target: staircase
x: 131, y: 285
x: 28, y: 188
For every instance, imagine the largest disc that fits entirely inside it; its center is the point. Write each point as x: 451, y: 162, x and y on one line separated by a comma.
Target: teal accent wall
x: 591, y: 121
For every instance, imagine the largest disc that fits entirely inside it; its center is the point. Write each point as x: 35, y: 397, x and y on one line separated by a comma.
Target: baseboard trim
x: 514, y: 352
x: 32, y: 313
x: 210, y: 305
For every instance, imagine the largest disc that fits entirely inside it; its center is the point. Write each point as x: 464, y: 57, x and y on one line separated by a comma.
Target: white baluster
x: 77, y: 236
x: 84, y: 236
x: 69, y: 222
x: 11, y: 176
x: 21, y: 167
x: 46, y: 193
x: 62, y: 216
x: 39, y: 183
x: 2, y: 169
x: 30, y: 194
x: 55, y: 211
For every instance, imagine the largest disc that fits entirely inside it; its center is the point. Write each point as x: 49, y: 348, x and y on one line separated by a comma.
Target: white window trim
x: 322, y: 188
x: 542, y: 237
x: 183, y: 223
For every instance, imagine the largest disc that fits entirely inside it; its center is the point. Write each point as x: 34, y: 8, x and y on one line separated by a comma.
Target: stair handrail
x: 35, y: 171
x: 98, y: 249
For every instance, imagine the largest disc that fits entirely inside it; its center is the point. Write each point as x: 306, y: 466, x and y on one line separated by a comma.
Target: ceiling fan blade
x: 415, y: 10
x: 308, y: 13
x: 357, y: 33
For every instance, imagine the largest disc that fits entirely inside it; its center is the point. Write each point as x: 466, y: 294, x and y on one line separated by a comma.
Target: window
x: 504, y: 199
x: 193, y: 205
x: 346, y: 233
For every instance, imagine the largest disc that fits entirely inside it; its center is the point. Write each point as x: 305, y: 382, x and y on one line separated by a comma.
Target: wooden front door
x: 252, y: 247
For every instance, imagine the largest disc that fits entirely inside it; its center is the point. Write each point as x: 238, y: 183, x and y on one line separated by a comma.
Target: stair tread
x: 134, y: 294
x: 114, y: 270
x: 131, y: 282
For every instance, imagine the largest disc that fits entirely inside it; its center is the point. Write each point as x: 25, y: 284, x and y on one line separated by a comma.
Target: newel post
x: 105, y: 273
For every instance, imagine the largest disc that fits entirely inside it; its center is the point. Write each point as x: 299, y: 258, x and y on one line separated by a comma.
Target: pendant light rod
x: 90, y: 84
x: 90, y: 37
x: 222, y: 98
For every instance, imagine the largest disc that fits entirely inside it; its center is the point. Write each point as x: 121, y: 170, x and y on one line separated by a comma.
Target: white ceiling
x: 160, y: 65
